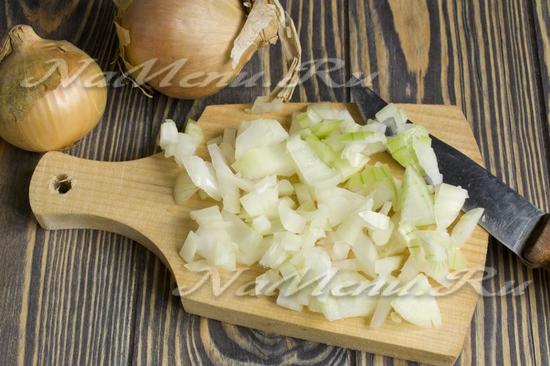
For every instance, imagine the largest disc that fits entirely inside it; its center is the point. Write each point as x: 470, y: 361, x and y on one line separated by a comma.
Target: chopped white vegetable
x: 449, y: 200
x: 416, y: 202
x: 392, y: 117
x: 423, y: 310
x: 258, y: 133
x: 291, y: 220
x: 381, y: 237
x: 311, y: 208
x: 385, y: 266
x: 262, y: 225
x: 265, y: 161
x: 466, y: 226
x: 227, y: 183
x: 340, y: 202
x: 185, y: 147
x: 427, y: 160
x: 168, y: 134
x: 189, y: 248
x: 375, y: 220
x: 193, y: 129
x: 184, y: 188
x: 263, y: 200
x: 311, y: 168
x: 285, y: 187
x: 202, y: 174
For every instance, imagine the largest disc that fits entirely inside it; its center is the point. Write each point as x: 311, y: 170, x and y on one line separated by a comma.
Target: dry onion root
x: 189, y: 49
x: 51, y: 92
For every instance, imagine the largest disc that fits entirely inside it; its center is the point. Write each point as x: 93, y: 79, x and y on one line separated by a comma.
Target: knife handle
x: 538, y: 250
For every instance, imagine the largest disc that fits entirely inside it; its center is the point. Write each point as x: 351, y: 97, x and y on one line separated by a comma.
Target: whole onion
x: 189, y: 49
x: 51, y: 92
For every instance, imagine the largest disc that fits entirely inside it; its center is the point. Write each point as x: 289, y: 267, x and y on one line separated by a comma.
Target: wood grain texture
x: 541, y: 22
x: 481, y: 56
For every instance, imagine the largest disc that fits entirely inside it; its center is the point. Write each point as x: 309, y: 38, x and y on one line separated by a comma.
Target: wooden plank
x: 87, y: 23
x: 98, y: 281
x: 78, y: 289
x: 480, y: 56
x: 48, y: 314
x: 541, y: 21
x: 322, y: 28
x: 17, y: 243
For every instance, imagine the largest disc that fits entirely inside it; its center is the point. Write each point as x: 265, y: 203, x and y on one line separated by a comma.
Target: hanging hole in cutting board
x: 62, y: 184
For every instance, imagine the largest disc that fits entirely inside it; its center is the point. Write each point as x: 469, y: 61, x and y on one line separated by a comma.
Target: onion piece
x: 229, y: 190
x: 168, y: 135
x: 401, y: 146
x: 250, y: 245
x: 416, y: 202
x: 265, y: 161
x: 262, y: 225
x: 291, y: 220
x: 466, y: 226
x: 427, y: 160
x: 285, y: 187
x: 263, y: 199
x: 203, y: 175
x: 375, y: 220
x: 449, y: 200
x: 311, y: 168
x: 184, y: 188
x: 258, y: 133
x: 422, y: 311
x: 189, y: 248
x: 340, y: 202
x: 393, y: 117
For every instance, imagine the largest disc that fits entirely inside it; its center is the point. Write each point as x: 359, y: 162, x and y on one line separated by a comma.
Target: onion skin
x: 199, y: 31
x: 50, y: 115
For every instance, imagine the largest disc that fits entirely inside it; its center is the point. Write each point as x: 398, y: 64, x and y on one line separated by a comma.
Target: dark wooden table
x: 84, y: 297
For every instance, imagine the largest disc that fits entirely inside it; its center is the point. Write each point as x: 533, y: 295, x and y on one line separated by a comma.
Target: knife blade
x: 511, y: 219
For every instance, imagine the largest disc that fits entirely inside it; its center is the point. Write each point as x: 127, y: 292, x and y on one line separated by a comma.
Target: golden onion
x: 189, y: 49
x: 51, y: 92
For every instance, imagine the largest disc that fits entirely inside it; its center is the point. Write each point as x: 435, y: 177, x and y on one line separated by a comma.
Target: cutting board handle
x: 71, y: 193
x: 538, y: 251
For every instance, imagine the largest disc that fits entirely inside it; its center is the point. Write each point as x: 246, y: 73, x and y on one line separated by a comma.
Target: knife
x: 510, y: 218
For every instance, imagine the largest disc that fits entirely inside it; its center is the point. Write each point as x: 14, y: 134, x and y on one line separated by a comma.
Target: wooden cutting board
x: 134, y: 199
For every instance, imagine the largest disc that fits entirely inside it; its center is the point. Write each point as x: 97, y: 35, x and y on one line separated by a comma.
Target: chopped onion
x: 258, y: 133
x: 168, y: 134
x: 262, y: 225
x: 285, y: 187
x: 311, y: 209
x: 203, y: 175
x: 466, y: 226
x: 392, y: 117
x: 375, y: 220
x: 265, y: 161
x: 228, y: 187
x: 311, y: 168
x: 185, y: 147
x: 448, y: 203
x: 416, y: 202
x: 184, y: 188
x: 263, y: 200
x: 340, y: 202
x: 291, y: 220
x: 427, y: 160
x: 419, y: 310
